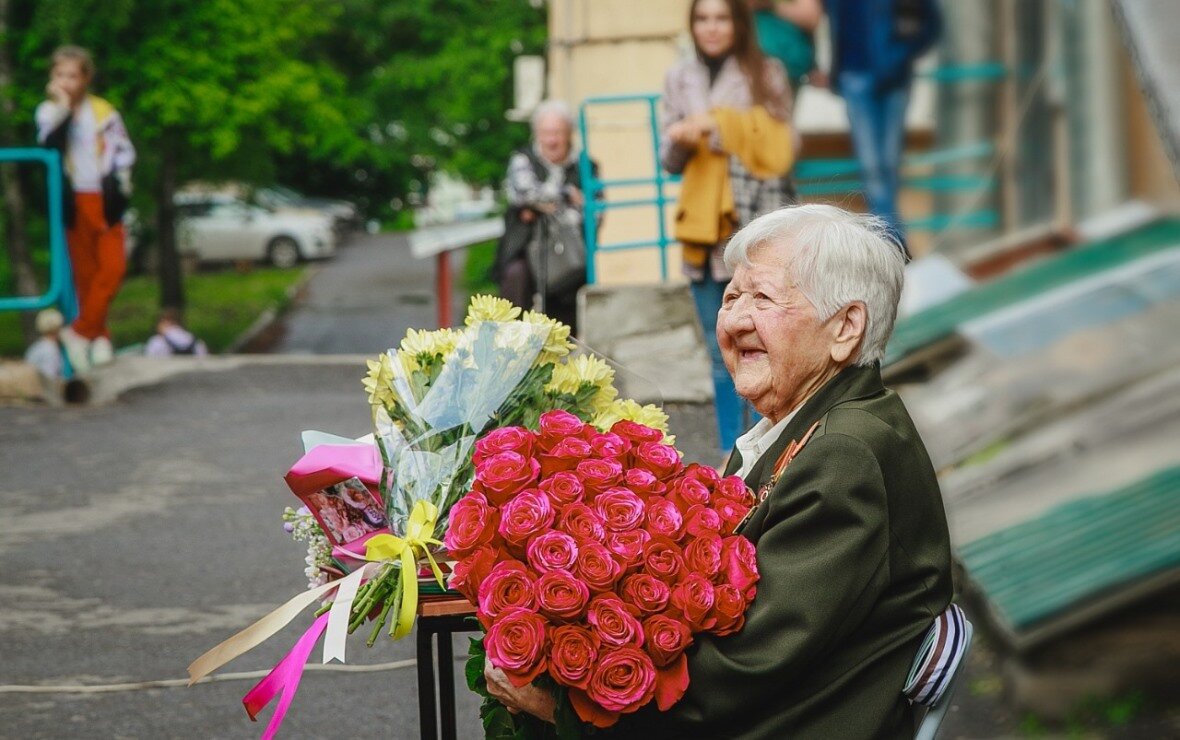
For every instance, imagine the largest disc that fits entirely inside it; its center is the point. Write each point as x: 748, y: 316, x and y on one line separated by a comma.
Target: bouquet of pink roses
x: 593, y: 558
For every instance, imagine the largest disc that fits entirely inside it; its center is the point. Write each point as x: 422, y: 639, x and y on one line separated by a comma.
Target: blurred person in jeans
x: 97, y: 155
x: 874, y: 46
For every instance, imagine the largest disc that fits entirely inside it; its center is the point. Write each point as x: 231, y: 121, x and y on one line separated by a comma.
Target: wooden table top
x: 445, y: 606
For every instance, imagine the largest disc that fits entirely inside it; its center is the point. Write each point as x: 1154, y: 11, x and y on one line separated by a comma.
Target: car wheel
x: 283, y: 252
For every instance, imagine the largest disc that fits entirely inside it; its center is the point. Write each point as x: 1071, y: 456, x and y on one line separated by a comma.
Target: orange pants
x: 99, y: 260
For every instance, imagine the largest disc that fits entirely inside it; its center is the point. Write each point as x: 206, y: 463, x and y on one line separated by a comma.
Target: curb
x: 270, y: 316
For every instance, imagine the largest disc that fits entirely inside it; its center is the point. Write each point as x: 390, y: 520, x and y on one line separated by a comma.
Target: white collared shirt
x: 753, y: 444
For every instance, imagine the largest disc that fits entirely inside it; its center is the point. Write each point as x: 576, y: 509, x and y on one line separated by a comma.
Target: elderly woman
x: 849, y: 527
x: 545, y: 202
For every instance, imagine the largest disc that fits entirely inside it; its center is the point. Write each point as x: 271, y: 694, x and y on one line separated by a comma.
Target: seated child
x: 172, y: 339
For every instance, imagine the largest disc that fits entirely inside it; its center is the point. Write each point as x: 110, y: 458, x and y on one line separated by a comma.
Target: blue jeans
x: 876, y: 119
x: 734, y: 414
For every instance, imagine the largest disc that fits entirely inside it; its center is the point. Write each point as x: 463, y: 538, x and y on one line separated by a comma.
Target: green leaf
x: 474, y: 667
x: 568, y: 726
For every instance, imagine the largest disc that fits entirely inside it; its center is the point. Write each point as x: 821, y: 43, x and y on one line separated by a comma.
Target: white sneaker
x: 77, y: 349
x: 101, y: 351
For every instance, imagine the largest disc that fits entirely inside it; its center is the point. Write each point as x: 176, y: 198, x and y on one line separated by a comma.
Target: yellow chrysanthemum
x: 378, y: 382
x: 490, y: 308
x: 629, y: 410
x: 418, y: 343
x: 557, y: 344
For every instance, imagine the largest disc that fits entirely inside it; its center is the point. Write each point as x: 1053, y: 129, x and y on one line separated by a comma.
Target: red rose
x: 580, y: 521
x: 565, y: 455
x: 562, y: 597
x: 620, y: 509
x: 627, y: 547
x: 504, y: 439
x: 636, y: 432
x: 623, y: 680
x: 471, y: 523
x: 503, y: 474
x: 609, y: 444
x: 469, y: 572
x: 729, y: 609
x: 703, y: 473
x: 688, y: 492
x: 731, y: 512
x: 526, y: 515
x: 701, y: 520
x: 599, y: 475
x: 552, y: 550
x: 662, y: 460
x: 509, y: 585
x: 516, y: 645
x: 666, y: 638
x: 703, y: 555
x: 735, y: 489
x: 643, y: 482
x: 596, y: 566
x: 693, y: 598
x: 573, y: 649
x: 664, y: 518
x: 663, y: 559
x: 739, y: 564
x: 557, y: 425
x: 612, y: 622
x: 563, y: 487
x: 646, y: 594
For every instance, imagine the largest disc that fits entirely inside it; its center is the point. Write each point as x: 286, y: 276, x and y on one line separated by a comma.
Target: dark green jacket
x: 855, y: 561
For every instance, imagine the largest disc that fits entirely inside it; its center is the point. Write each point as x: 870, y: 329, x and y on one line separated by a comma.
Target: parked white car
x: 220, y: 229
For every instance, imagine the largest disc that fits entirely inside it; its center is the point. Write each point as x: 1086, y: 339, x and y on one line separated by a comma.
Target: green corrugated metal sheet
x: 939, y: 322
x: 1041, y: 568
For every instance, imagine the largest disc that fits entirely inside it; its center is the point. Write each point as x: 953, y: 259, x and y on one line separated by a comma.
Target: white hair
x: 836, y: 257
x: 552, y: 108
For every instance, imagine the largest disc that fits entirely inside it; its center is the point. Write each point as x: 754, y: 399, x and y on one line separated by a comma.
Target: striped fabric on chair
x: 938, y: 658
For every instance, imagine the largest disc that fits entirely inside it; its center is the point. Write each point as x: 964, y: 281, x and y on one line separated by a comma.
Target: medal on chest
x: 780, y: 466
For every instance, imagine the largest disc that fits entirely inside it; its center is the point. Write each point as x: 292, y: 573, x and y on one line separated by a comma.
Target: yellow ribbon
x: 386, y: 547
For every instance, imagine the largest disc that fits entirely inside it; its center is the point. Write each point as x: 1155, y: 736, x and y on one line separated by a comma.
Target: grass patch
x: 221, y: 305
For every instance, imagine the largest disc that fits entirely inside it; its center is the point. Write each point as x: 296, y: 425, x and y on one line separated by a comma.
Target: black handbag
x: 557, y: 257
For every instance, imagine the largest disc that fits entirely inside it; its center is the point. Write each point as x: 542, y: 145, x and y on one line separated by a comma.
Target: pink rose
x: 613, y: 623
x: 703, y: 555
x: 564, y: 455
x: 665, y: 638
x: 643, y: 482
x: 508, y: 586
x: 688, y: 492
x: 469, y: 572
x: 729, y: 609
x: 582, y: 522
x: 573, y: 650
x: 739, y: 564
x: 701, y: 520
x: 471, y: 523
x: 731, y: 512
x: 620, y: 509
x: 516, y: 645
x: 563, y: 487
x: 504, y: 439
x: 609, y: 444
x: 636, y: 432
x: 645, y: 594
x: 627, y: 547
x: 599, y: 475
x: 693, y: 598
x: 525, y: 516
x: 557, y: 425
x: 552, y: 550
x: 623, y: 680
x: 704, y: 474
x: 502, y: 475
x: 562, y: 597
x: 663, y: 559
x: 735, y: 489
x: 664, y: 518
x: 596, y: 566
x: 662, y: 460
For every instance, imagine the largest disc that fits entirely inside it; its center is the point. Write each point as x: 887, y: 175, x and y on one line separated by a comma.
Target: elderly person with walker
x: 849, y: 529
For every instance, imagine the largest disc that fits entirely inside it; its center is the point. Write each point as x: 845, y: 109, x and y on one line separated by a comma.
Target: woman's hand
x: 57, y: 94
x: 686, y: 133
x: 535, y: 701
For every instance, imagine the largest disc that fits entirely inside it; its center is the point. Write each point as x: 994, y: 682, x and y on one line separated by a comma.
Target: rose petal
x: 671, y: 682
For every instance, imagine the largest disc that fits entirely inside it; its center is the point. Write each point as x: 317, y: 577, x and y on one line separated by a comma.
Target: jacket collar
x: 849, y: 384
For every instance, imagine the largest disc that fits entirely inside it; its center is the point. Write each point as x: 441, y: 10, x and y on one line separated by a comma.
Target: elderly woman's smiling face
x: 775, y: 346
